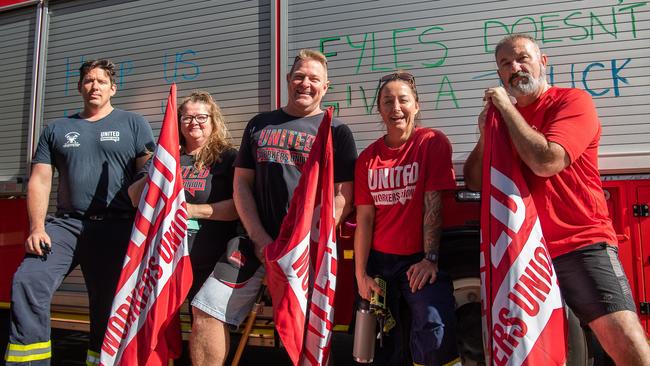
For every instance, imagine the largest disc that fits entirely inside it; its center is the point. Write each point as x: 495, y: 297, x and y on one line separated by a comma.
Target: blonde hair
x: 309, y: 54
x: 219, y: 139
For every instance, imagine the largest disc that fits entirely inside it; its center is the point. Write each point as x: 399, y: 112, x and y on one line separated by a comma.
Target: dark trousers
x: 99, y: 247
x: 431, y: 333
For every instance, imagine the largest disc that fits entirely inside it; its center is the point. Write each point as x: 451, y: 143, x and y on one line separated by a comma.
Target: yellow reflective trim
x: 37, y: 357
x: 348, y: 254
x: 455, y: 362
x: 29, y: 347
x: 92, y: 358
x: 341, y: 328
x: 93, y: 353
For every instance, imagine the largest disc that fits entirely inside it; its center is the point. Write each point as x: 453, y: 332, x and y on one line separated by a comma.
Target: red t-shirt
x: 571, y: 204
x: 394, y: 181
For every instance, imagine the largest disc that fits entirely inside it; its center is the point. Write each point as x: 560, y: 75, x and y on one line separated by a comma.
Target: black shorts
x: 593, y: 283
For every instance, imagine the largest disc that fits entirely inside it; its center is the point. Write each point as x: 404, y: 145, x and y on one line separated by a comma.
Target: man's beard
x: 527, y: 85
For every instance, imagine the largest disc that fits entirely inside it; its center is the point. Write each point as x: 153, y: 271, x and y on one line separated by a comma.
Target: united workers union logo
x: 110, y: 136
x: 71, y: 139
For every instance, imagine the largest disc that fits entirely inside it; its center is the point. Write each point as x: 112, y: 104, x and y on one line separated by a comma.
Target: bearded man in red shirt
x: 556, y: 133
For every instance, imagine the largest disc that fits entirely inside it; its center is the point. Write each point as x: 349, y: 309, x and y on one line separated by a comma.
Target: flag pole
x: 249, y: 326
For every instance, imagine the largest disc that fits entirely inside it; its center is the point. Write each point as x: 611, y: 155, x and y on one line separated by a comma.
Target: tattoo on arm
x: 432, y: 221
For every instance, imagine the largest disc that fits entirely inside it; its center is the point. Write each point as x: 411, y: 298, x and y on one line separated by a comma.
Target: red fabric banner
x: 301, y: 262
x: 9, y: 4
x: 144, y: 327
x: 523, y: 315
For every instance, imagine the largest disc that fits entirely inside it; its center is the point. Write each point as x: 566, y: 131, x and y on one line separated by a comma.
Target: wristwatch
x: 431, y: 257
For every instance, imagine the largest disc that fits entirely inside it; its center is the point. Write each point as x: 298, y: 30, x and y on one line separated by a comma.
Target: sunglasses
x: 404, y: 76
x: 398, y: 76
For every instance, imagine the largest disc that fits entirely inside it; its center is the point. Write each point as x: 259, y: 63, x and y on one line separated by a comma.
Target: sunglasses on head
x: 404, y: 76
x: 398, y: 76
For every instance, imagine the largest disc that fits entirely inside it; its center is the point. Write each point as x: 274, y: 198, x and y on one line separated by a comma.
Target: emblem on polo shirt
x: 110, y: 136
x: 71, y: 139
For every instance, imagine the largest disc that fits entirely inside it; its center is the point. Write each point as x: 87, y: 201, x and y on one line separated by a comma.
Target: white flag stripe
x: 325, y: 281
x: 314, y: 343
x: 159, y: 179
x: 120, y: 298
x: 512, y: 219
x: 146, y: 210
x: 136, y: 276
x: 152, y: 213
x: 303, y: 259
x: 142, y: 325
x: 523, y: 315
x: 537, y: 322
x: 165, y: 158
x: 287, y: 263
x: 137, y: 237
x: 142, y: 202
x: 167, y: 270
x: 324, y: 275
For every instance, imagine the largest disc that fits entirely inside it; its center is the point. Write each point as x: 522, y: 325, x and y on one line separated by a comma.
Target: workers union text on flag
x: 523, y: 316
x: 143, y: 328
x: 301, y: 262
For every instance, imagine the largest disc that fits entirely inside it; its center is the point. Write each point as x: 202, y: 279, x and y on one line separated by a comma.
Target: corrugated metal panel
x: 16, y: 54
x: 219, y: 46
x: 600, y: 46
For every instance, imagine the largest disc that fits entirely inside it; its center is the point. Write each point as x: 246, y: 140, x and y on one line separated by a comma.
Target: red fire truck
x: 240, y: 52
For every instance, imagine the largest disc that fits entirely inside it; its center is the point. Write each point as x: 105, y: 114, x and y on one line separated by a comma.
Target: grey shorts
x: 229, y: 304
x: 593, y: 283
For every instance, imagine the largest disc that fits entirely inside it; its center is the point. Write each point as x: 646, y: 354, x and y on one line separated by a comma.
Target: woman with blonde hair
x: 207, y: 158
x: 206, y: 165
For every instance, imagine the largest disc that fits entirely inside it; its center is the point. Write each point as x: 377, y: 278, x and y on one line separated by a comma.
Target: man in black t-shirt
x: 274, y: 147
x: 97, y: 153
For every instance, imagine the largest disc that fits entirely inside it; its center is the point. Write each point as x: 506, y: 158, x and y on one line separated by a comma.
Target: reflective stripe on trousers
x: 92, y: 358
x: 455, y: 362
x: 28, y: 352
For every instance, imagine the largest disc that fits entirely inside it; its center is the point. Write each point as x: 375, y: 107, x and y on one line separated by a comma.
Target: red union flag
x: 143, y: 328
x: 301, y: 262
x: 523, y: 317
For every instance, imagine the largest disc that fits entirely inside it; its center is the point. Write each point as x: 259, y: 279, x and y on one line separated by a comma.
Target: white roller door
x: 600, y: 46
x: 16, y: 57
x: 219, y: 46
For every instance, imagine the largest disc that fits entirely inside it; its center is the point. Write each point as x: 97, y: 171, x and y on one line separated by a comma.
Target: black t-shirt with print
x: 208, y: 185
x: 276, y: 145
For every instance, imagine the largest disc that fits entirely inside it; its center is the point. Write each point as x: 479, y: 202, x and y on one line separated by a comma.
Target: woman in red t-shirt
x: 398, y: 180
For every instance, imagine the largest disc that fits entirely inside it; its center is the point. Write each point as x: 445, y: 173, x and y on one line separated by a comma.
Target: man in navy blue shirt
x: 97, y: 154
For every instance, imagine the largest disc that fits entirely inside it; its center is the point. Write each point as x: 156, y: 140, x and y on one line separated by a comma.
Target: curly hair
x: 219, y: 139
